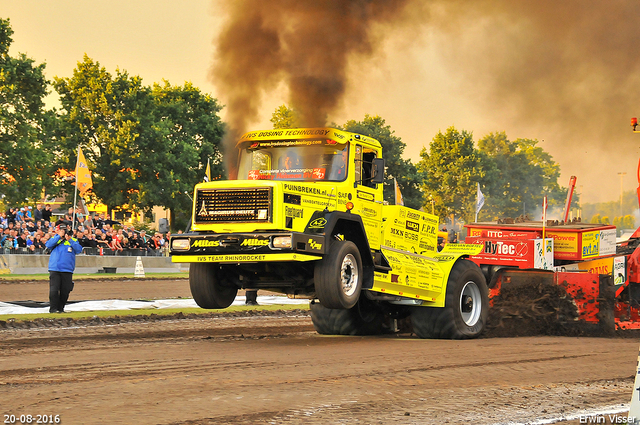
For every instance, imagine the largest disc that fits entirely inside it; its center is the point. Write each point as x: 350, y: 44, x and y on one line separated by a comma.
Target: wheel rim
x: 470, y: 303
x: 349, y: 275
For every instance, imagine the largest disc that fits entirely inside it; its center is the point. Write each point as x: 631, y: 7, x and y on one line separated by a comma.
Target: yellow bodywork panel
x: 418, y: 276
x: 409, y: 230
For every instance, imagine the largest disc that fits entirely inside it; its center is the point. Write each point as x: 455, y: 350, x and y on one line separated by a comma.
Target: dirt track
x: 98, y: 289
x: 277, y: 370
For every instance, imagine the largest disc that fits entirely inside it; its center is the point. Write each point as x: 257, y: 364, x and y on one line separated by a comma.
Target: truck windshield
x: 305, y: 159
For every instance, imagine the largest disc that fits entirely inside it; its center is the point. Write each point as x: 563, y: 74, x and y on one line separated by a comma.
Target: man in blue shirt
x: 62, y: 263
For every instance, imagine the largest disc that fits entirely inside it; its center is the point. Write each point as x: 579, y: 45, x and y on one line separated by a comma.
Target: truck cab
x: 306, y: 217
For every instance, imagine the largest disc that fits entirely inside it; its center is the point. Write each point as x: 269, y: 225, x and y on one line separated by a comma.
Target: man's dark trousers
x: 60, y: 286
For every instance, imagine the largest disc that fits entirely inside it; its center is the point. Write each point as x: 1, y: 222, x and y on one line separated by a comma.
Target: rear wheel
x: 338, y: 276
x: 466, y: 308
x: 207, y: 289
x: 365, y: 318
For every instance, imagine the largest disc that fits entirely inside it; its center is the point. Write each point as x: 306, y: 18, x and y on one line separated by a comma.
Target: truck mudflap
x: 420, y: 277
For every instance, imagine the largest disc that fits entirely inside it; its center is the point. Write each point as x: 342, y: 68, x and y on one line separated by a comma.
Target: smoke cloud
x: 565, y: 72
x: 308, y: 45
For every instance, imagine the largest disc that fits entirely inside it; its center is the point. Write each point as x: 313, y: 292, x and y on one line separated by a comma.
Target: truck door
x: 368, y: 196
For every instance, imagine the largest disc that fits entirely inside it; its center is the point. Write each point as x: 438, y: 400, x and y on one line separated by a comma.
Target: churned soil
x: 103, y: 288
x: 272, y: 368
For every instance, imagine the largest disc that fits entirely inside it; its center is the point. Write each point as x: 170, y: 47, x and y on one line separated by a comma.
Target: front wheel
x: 338, y: 276
x: 207, y: 289
x: 365, y: 318
x: 466, y: 308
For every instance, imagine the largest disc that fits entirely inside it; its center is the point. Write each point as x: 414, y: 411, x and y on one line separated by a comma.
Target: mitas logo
x: 205, y: 243
x: 255, y: 242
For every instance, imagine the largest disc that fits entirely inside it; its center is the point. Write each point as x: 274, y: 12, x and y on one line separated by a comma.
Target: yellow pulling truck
x: 306, y: 218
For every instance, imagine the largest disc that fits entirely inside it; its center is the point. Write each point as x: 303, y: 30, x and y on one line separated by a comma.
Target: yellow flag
x: 207, y: 173
x: 399, y: 200
x: 83, y: 175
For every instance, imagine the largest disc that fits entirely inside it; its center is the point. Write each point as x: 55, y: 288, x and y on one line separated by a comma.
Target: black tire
x: 206, y: 288
x: 466, y: 308
x: 363, y: 319
x: 338, y: 276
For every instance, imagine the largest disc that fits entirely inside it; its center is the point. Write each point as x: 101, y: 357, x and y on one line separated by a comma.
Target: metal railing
x: 163, y: 252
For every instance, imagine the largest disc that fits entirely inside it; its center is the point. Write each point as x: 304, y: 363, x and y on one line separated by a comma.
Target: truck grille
x: 233, y: 205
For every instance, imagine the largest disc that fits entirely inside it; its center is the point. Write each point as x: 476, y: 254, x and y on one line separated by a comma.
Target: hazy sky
x: 482, y: 68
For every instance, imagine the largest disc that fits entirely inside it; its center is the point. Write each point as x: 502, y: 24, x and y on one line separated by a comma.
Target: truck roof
x: 339, y: 136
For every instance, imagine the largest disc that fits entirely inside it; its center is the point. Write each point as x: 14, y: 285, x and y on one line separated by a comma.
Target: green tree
x: 452, y: 168
x: 392, y: 149
x: 284, y: 117
x: 617, y: 221
x: 629, y: 222
x: 613, y: 208
x: 597, y: 218
x: 25, y: 154
x: 188, y: 134
x: 518, y: 175
x: 104, y: 115
x: 147, y: 146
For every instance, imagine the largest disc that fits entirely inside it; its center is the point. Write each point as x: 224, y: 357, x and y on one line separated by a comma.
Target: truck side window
x: 358, y: 163
x: 367, y: 168
x: 364, y: 165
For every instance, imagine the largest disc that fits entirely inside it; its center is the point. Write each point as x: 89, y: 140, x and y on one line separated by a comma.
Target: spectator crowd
x: 26, y: 230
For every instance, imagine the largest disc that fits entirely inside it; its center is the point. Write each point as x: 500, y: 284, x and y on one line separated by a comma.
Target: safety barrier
x: 29, y: 264
x: 93, y: 251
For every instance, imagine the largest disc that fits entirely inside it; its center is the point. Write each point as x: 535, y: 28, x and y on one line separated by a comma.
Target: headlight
x: 282, y: 241
x: 180, y: 244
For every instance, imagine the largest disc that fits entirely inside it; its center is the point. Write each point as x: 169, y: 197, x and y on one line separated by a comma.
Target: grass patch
x: 89, y: 276
x: 148, y: 311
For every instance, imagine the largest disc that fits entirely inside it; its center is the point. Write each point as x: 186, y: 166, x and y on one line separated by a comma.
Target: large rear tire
x: 466, y: 308
x: 206, y: 288
x: 365, y: 318
x: 338, y: 276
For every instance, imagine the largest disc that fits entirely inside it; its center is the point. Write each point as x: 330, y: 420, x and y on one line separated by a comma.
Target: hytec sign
x: 506, y: 248
x: 522, y: 253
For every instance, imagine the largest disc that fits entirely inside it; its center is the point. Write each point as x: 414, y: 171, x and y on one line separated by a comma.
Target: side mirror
x: 377, y: 171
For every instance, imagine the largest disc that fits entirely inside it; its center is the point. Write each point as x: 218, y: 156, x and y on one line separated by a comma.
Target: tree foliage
x: 452, y: 167
x: 518, y: 175
x: 615, y: 208
x: 145, y: 146
x: 25, y: 154
x: 284, y: 117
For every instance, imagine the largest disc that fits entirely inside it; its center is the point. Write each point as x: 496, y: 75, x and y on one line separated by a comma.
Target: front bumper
x: 246, y: 247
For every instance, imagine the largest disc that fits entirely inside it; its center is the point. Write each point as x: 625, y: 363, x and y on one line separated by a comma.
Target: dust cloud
x: 565, y: 72
x: 305, y: 44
